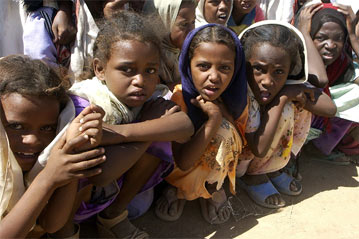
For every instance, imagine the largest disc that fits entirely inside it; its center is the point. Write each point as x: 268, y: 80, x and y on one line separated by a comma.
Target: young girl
x: 126, y: 64
x: 34, y: 107
x: 279, y: 116
x: 332, y: 32
x: 244, y: 13
x: 178, y: 19
x: 213, y: 11
x: 214, y: 95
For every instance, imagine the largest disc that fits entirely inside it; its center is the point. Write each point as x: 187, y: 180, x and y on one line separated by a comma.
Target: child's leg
x: 134, y: 179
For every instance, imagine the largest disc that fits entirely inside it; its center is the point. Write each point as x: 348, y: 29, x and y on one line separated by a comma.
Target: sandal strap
x: 109, y: 223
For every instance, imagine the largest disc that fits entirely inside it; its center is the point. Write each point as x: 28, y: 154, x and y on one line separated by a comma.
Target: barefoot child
x: 213, y: 11
x: 214, y: 95
x: 33, y: 100
x: 279, y: 113
x: 126, y: 64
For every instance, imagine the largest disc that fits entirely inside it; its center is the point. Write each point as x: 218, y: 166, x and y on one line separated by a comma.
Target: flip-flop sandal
x: 259, y: 193
x: 169, y: 196
x: 104, y: 227
x: 219, y: 201
x: 282, y: 184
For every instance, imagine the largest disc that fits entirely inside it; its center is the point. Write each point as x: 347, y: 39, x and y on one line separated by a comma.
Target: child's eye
x: 48, y: 128
x: 257, y: 68
x: 319, y: 38
x: 203, y: 67
x: 15, y: 126
x: 151, y: 70
x: 279, y: 71
x: 126, y: 69
x: 225, y: 68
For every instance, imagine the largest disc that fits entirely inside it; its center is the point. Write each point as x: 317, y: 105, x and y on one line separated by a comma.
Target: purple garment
x: 37, y: 40
x: 161, y: 150
x: 327, y: 141
x: 234, y: 96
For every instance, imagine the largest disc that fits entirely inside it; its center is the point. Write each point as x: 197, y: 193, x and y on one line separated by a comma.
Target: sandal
x: 282, y: 184
x: 105, y: 227
x: 219, y: 203
x: 259, y: 193
x: 164, y: 205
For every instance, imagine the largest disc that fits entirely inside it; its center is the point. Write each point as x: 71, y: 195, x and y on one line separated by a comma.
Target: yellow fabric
x: 219, y: 161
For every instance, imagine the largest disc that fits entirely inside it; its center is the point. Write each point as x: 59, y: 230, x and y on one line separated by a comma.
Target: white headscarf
x: 299, y: 62
x: 200, y: 20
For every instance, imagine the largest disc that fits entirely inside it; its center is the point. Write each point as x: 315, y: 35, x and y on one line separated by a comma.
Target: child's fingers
x: 87, y: 173
x: 61, y: 143
x: 91, y: 116
x: 90, y: 124
x: 97, y: 109
x: 92, y: 132
x: 174, y: 109
x: 195, y: 102
x: 75, y: 143
x: 93, y: 153
x: 80, y: 166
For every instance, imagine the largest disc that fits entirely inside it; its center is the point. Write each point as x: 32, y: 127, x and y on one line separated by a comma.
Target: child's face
x: 244, y: 6
x: 329, y: 41
x: 217, y: 11
x: 267, y: 71
x: 212, y: 68
x: 183, y: 25
x: 131, y: 73
x: 30, y: 123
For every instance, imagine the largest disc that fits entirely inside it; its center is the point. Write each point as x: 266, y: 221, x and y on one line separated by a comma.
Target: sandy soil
x: 328, y: 208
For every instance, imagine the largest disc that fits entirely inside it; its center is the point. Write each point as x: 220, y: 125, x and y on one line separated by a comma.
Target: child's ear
x: 99, y: 69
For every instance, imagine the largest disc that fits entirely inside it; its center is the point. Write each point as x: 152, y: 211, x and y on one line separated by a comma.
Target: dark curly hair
x: 276, y: 35
x: 125, y: 25
x: 214, y: 34
x: 25, y: 76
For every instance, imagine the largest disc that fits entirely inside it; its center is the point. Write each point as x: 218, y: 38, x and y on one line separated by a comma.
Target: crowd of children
x: 106, y: 99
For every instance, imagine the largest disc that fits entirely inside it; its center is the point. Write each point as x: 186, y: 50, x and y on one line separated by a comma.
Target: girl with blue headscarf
x: 214, y: 95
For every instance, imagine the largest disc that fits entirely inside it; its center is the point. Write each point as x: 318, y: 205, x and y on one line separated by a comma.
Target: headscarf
x: 200, y: 19
x: 299, y: 73
x: 234, y: 96
x: 168, y: 12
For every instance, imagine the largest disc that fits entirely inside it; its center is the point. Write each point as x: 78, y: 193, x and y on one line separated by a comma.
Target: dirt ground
x: 328, y: 208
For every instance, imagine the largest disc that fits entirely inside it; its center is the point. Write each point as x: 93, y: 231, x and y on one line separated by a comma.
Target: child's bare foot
x: 262, y: 191
x: 168, y: 206
x: 215, y: 210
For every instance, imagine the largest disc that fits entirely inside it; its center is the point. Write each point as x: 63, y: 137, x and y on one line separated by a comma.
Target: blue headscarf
x: 234, y: 97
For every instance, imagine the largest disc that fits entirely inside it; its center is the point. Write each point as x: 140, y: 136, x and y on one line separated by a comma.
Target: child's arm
x: 57, y: 173
x: 352, y: 25
x: 188, y: 153
x: 63, y: 27
x: 162, y: 121
x: 317, y: 72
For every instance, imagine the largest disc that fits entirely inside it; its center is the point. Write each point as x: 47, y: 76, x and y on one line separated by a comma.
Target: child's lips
x: 210, y: 91
x: 265, y: 95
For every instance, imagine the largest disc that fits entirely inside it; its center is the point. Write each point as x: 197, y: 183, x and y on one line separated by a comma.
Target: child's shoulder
x: 177, y: 97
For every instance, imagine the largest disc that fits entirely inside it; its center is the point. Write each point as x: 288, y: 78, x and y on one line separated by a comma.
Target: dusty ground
x: 328, y: 208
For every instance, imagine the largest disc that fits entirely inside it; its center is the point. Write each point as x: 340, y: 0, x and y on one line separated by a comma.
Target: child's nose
x: 138, y: 80
x: 214, y: 76
x: 31, y: 139
x: 267, y: 80
x: 330, y: 44
x: 223, y: 5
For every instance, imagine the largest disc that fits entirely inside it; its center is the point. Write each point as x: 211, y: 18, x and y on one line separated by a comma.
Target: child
x: 214, y: 95
x: 213, y: 11
x: 178, y: 19
x: 244, y: 13
x: 279, y: 115
x: 34, y: 108
x: 126, y: 63
x: 332, y: 32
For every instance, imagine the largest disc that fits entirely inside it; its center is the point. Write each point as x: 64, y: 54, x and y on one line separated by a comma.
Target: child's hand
x: 298, y: 94
x: 305, y: 17
x: 210, y: 108
x: 63, y: 28
x: 158, y: 108
x: 89, y: 123
x: 350, y: 16
x: 112, y: 6
x: 64, y: 165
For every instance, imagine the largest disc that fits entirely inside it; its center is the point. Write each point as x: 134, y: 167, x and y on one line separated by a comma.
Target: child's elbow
x: 332, y: 111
